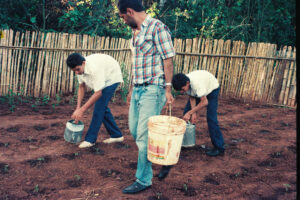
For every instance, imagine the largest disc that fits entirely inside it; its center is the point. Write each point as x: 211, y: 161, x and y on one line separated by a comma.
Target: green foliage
x: 11, y: 96
x: 45, y: 99
x: 175, y: 93
x: 272, y: 21
x: 74, y: 97
x: 57, y: 101
x: 93, y: 18
x: 250, y: 21
x: 125, y: 87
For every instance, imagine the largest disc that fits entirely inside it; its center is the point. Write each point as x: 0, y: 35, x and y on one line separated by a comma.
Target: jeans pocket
x: 151, y: 92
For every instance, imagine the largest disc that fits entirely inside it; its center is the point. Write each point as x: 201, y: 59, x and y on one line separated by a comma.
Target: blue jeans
x: 212, y: 118
x: 102, y: 114
x: 146, y: 101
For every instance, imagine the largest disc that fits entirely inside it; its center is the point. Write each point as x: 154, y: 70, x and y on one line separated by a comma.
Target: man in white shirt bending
x: 101, y: 73
x: 203, y: 89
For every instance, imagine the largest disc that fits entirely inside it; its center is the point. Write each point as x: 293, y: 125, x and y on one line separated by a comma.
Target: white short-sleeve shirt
x: 201, y: 83
x: 100, y: 71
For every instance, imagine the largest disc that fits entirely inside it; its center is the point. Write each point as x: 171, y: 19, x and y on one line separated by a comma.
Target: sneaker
x: 112, y: 140
x: 86, y: 144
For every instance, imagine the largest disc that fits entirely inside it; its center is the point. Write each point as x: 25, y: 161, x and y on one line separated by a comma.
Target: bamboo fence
x: 34, y: 63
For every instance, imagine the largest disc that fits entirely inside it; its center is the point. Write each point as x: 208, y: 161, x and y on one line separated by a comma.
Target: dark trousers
x: 212, y: 118
x: 102, y: 114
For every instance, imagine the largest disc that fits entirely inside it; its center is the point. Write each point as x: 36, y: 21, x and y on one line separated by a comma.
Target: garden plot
x: 259, y: 161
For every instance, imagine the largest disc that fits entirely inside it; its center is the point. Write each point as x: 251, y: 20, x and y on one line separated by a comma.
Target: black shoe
x: 215, y: 152
x: 135, y: 188
x: 164, y: 171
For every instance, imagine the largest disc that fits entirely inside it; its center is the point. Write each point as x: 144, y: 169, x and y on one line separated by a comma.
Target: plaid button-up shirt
x: 150, y: 47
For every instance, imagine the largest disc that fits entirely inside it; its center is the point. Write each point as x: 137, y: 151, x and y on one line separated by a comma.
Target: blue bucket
x: 73, y: 131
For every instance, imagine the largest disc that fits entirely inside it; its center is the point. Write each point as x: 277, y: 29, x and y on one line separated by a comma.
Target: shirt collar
x: 146, y: 21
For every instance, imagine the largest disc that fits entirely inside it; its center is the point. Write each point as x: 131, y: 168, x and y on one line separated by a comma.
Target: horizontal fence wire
x: 34, y: 63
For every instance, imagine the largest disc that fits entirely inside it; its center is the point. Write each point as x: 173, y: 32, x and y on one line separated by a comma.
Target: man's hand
x: 187, y: 116
x: 77, y: 115
x: 190, y: 117
x: 194, y: 118
x: 169, y: 98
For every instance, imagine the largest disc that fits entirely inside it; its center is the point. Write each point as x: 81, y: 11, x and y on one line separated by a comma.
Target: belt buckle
x: 141, y: 84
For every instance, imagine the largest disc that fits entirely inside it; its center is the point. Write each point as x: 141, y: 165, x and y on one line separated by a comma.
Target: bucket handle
x: 170, y: 110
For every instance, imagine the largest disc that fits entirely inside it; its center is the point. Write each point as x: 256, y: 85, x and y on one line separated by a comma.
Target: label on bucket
x: 156, y: 148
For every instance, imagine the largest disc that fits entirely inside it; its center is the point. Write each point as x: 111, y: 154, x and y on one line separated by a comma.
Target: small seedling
x: 12, y: 108
x: 58, y: 99
x: 37, y: 101
x: 36, y: 188
x: 45, y: 99
x: 158, y: 195
x: 237, y: 174
x: 41, y: 159
x: 185, y: 187
x: 77, y: 177
x: 34, y: 107
x: 29, y: 138
x: 287, y: 187
x: 5, y: 169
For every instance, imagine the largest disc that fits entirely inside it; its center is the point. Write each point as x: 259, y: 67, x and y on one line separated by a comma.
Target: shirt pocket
x: 145, y: 45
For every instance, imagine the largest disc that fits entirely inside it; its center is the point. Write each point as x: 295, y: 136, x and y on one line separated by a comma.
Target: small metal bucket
x: 73, y: 132
x: 189, y: 138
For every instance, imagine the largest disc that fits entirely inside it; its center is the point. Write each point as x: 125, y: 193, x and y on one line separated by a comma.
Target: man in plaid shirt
x: 152, y: 70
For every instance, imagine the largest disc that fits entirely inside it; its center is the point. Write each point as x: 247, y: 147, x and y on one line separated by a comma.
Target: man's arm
x: 168, y: 69
x: 202, y: 103
x: 78, y: 113
x: 194, y: 109
x: 92, y: 100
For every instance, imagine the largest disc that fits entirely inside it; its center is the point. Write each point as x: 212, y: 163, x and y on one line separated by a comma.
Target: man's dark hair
x: 74, y: 60
x: 134, y: 4
x: 179, y: 80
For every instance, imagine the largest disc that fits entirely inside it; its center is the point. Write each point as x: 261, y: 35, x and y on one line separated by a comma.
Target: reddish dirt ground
x: 259, y: 161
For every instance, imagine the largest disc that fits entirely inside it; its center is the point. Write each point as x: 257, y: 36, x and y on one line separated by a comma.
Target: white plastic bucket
x: 73, y: 132
x: 189, y: 138
x: 165, y: 134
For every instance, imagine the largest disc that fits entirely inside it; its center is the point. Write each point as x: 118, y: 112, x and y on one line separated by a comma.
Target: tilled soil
x: 259, y: 162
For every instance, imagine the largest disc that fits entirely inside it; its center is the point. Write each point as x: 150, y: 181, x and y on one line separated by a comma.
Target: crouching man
x: 203, y: 90
x: 101, y: 73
